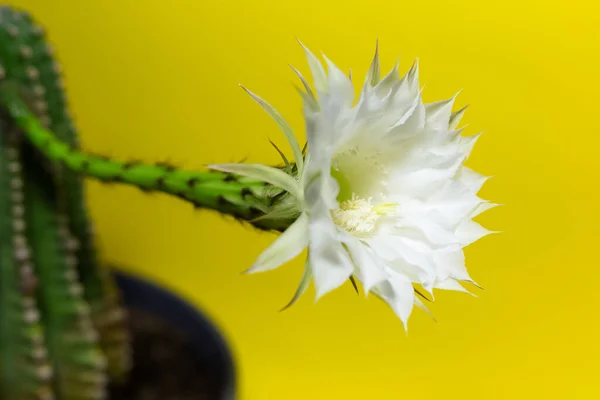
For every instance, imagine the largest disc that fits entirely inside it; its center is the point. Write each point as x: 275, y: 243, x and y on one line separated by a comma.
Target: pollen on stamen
x: 358, y: 216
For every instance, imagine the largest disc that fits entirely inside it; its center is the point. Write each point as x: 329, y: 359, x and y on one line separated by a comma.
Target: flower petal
x: 284, y: 126
x: 308, y: 97
x: 388, y: 81
x: 340, y: 86
x: 274, y: 176
x: 456, y: 117
x: 450, y: 263
x: 483, y: 207
x: 471, y: 179
x: 333, y: 267
x: 439, y: 113
x: 329, y: 260
x: 287, y: 246
x: 470, y: 231
x: 371, y: 270
x: 373, y: 75
x: 422, y: 306
x: 317, y: 70
x: 399, y: 293
x: 451, y: 284
x: 304, y: 282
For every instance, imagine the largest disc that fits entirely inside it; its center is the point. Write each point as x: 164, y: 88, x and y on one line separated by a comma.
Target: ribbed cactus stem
x: 243, y: 198
x: 27, y: 372
x: 66, y: 275
x: 73, y: 341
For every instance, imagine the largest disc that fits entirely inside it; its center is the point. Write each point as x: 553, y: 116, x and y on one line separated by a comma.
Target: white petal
x: 389, y: 80
x: 471, y: 179
x: 412, y: 77
x: 316, y: 68
x: 483, y: 207
x: 428, y: 223
x: 304, y: 82
x: 400, y: 125
x: 467, y: 143
x: 422, y: 182
x: 320, y: 190
x: 469, y: 232
x: 422, y: 306
x: 456, y: 117
x: 454, y: 201
x: 340, y: 87
x: 274, y: 176
x: 373, y: 75
x: 400, y: 295
x: 439, y: 113
x: 284, y: 126
x: 451, y: 284
x: 310, y: 101
x: 371, y: 270
x: 450, y: 263
x: 329, y: 260
x: 304, y: 282
x: 287, y: 246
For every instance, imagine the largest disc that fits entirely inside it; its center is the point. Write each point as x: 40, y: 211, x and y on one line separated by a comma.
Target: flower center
x: 358, y: 216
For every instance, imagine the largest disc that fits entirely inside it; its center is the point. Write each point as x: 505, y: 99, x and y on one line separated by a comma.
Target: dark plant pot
x: 205, y: 342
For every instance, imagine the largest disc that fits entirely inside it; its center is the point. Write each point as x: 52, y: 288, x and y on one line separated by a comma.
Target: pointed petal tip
x: 286, y: 307
x: 304, y: 47
x: 405, y: 325
x: 472, y: 282
x: 415, y: 66
x: 353, y: 281
x: 253, y: 269
x: 320, y: 293
x: 245, y: 89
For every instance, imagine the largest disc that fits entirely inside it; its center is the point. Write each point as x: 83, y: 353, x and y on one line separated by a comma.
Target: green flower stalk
x: 246, y: 199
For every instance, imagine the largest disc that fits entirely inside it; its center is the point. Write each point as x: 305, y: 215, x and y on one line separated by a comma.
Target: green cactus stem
x: 244, y: 198
x: 25, y: 367
x: 73, y: 342
x: 56, y: 239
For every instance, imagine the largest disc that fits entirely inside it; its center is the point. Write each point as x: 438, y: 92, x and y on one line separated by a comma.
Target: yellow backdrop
x: 158, y: 80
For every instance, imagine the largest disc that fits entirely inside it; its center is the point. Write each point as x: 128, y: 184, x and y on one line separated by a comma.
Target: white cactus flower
x: 383, y: 194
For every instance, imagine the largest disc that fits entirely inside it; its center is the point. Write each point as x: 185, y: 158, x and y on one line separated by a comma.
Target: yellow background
x: 157, y: 80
